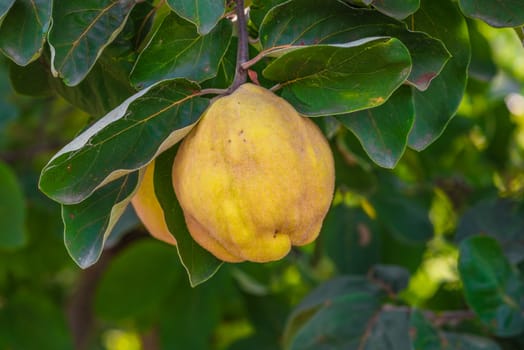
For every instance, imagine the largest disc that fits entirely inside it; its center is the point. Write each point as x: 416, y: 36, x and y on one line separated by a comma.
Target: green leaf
x: 12, y: 209
x: 123, y: 141
x: 303, y: 22
x: 32, y: 320
x: 31, y: 80
x: 226, y: 69
x: 390, y: 332
x: 137, y: 281
x: 259, y: 8
x: 435, y: 107
x: 457, y: 341
x: 24, y: 29
x: 350, y: 239
x: 205, y: 14
x: 88, y: 224
x: 80, y: 32
x: 493, y: 288
x: 5, y: 6
x: 423, y: 335
x: 403, y: 210
x: 500, y: 13
x: 336, y: 309
x: 336, y: 79
x: 383, y: 131
x: 502, y: 219
x: 398, y: 9
x: 198, y: 262
x: 339, y: 324
x: 394, y: 278
x: 482, y: 66
x: 178, y: 51
x: 204, y: 304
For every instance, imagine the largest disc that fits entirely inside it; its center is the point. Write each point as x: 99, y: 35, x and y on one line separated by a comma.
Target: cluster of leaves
x: 385, y: 79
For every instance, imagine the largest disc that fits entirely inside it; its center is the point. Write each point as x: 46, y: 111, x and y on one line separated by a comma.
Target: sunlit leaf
x: 205, y: 14
x: 178, y: 51
x: 493, y: 288
x: 198, y: 262
x: 88, y: 224
x: 24, y: 29
x: 335, y: 79
x: 126, y: 139
x: 80, y: 31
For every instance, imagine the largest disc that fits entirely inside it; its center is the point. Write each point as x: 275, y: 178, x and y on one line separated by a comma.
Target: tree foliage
x: 422, y: 102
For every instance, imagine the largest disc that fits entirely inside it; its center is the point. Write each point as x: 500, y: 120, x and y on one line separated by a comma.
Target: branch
x: 243, y: 47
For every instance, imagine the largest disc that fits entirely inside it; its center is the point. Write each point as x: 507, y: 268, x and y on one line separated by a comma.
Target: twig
x: 263, y: 54
x: 243, y: 47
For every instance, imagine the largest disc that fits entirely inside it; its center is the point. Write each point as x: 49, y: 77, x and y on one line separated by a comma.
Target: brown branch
x: 243, y: 47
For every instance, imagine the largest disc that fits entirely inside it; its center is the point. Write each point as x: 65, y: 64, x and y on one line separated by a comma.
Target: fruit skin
x: 148, y: 208
x: 253, y: 177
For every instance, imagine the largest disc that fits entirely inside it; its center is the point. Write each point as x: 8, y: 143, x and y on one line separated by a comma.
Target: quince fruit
x: 253, y: 177
x: 148, y: 208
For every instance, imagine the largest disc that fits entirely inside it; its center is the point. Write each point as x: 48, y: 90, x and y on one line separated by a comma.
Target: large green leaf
x: 80, y: 31
x: 303, y: 22
x: 398, y: 9
x: 137, y: 281
x: 390, y: 332
x: 435, y: 107
x: 88, y: 224
x: 482, y: 66
x: 423, y: 335
x: 458, y: 341
x: 340, y: 324
x: 205, y: 14
x: 192, y: 315
x: 493, y: 288
x: 29, y: 319
x: 123, y: 141
x: 500, y: 13
x: 336, y: 79
x: 5, y: 5
x: 198, y: 262
x: 403, y: 210
x: 502, y: 219
x: 24, y: 29
x: 351, y: 239
x: 178, y: 51
x: 383, y: 131
x: 335, y: 311
x: 259, y: 8
x: 12, y: 209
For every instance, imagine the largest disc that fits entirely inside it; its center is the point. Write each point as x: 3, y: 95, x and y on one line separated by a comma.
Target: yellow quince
x: 148, y: 208
x: 253, y: 177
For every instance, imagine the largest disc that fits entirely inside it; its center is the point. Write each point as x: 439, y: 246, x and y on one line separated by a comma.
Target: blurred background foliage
x: 401, y: 230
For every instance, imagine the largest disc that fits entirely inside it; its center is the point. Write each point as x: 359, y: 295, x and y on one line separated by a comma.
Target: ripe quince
x: 253, y: 177
x: 148, y: 208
